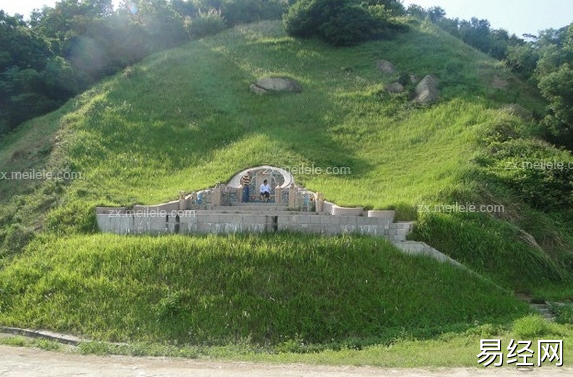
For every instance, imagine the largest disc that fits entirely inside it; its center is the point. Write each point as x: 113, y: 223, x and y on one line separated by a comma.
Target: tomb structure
x: 233, y: 208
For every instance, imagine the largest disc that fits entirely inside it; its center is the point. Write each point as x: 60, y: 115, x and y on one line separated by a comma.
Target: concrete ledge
x: 421, y: 248
x: 342, y: 211
x: 382, y: 214
x: 61, y: 338
x: 168, y: 207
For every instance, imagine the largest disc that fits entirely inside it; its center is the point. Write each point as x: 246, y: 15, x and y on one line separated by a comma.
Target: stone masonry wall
x: 156, y: 221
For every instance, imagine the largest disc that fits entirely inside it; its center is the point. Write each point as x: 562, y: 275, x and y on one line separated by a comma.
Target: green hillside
x: 218, y: 290
x: 185, y: 119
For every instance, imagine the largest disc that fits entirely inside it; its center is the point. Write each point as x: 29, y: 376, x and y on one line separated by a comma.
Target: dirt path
x: 28, y: 362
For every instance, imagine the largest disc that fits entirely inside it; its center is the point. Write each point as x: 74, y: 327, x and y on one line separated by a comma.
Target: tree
x: 476, y: 33
x: 436, y: 14
x: 416, y: 11
x: 337, y: 22
x: 554, y: 73
x: 20, y: 46
x: 522, y: 58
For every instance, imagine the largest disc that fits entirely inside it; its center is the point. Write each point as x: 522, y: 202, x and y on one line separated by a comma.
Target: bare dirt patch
x: 31, y: 362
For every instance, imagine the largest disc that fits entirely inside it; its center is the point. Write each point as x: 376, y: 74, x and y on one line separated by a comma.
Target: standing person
x: 246, y: 182
x: 265, y: 191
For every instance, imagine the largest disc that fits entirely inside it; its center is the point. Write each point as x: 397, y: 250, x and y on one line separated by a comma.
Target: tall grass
x: 264, y: 289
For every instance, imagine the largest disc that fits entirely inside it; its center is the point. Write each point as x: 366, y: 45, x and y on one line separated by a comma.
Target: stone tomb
x: 225, y: 209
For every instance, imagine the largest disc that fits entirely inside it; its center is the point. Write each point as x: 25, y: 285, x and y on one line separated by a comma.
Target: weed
x: 531, y: 326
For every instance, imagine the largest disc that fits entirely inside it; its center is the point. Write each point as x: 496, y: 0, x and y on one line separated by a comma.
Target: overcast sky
x: 515, y: 16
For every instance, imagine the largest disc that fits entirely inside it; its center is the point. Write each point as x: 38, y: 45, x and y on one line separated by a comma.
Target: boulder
x: 257, y: 90
x: 395, y: 88
x: 427, y: 90
x: 276, y: 84
x: 386, y: 67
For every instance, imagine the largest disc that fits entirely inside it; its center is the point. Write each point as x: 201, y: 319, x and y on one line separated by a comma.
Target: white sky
x: 515, y: 16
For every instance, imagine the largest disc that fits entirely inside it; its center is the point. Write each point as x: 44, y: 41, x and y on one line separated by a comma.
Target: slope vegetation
x: 184, y: 119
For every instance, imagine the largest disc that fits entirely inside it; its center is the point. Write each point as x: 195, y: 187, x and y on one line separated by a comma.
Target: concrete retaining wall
x: 168, y: 220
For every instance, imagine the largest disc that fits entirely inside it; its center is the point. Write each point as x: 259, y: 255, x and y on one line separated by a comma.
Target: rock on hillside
x: 386, y: 67
x: 275, y: 84
x: 395, y: 88
x: 427, y: 90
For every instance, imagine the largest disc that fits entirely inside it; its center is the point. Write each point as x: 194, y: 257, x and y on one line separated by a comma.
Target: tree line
x: 60, y: 51
x: 545, y: 60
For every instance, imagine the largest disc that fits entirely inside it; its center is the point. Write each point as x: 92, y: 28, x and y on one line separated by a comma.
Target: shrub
x: 303, y: 18
x: 531, y: 326
x: 337, y: 22
x: 205, y: 23
x: 247, y: 11
x: 351, y: 24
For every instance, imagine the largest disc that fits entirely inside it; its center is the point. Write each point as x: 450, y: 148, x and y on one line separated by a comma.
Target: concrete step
x: 541, y: 308
x: 544, y: 310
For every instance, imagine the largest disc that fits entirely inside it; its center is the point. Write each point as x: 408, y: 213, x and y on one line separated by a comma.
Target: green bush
x: 531, y: 326
x: 205, y: 23
x: 337, y: 22
x: 247, y: 11
x: 348, y: 26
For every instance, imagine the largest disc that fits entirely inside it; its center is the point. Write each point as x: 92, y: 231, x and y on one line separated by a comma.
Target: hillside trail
x: 31, y: 362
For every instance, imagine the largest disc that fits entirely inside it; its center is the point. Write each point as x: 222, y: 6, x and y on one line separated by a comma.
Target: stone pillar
x: 217, y: 196
x: 292, y: 202
x: 319, y: 202
x: 182, y: 201
x: 278, y: 196
x: 240, y: 194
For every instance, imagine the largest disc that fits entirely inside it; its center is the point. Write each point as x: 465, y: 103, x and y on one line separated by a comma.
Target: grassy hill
x: 219, y: 290
x: 184, y: 119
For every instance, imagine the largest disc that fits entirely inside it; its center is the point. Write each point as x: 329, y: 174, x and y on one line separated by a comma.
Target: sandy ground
x: 29, y: 362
